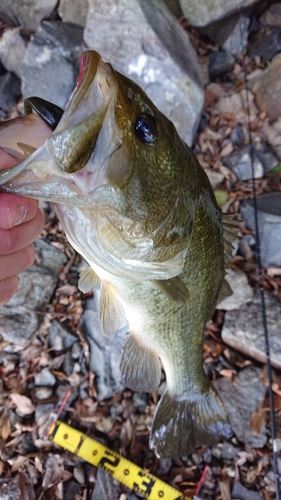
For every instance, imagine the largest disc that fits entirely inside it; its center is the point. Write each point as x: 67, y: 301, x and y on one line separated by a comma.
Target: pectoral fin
x: 111, y: 310
x: 139, y: 366
x: 174, y: 288
x: 88, y: 280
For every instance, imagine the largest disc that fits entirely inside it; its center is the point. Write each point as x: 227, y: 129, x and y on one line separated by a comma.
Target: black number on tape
x: 107, y: 462
x: 144, y: 484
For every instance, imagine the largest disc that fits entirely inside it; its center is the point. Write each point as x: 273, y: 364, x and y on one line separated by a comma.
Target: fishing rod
x: 262, y: 295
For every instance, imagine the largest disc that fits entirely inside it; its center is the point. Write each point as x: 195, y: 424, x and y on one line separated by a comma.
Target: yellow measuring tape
x: 115, y: 465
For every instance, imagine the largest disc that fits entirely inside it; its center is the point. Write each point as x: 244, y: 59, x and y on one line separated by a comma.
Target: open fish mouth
x: 56, y: 151
x: 93, y: 161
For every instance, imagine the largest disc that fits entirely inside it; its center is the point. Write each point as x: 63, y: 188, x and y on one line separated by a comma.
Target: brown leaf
x: 257, y: 421
x: 17, y: 462
x: 225, y: 372
x: 25, y: 486
x: 5, y: 426
x: 67, y: 290
x: 225, y: 489
x: 53, y: 472
x: 23, y: 403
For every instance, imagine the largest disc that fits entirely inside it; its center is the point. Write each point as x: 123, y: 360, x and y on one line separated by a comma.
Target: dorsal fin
x: 88, y: 280
x: 231, y: 227
x: 174, y: 288
x: 111, y: 310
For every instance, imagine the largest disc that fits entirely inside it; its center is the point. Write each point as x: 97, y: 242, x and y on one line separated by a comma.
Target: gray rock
x: 243, y: 330
x: 104, y: 355
x: 36, y: 286
x: 9, y: 93
x: 49, y: 256
x: 71, y: 490
x: 204, y: 12
x: 140, y: 401
x: 26, y: 444
x: 45, y: 377
x: 42, y: 393
x: 60, y: 338
x: 10, y: 491
x: 269, y: 220
x: 68, y: 364
x: 106, y: 487
x: 228, y: 451
x: 219, y: 63
x: 42, y: 412
x: 266, y: 157
x: 174, y: 7
x: 157, y: 56
x: 266, y: 43
x: 239, y: 492
x: 272, y: 15
x: 12, y: 49
x: 28, y: 13
x: 19, y: 319
x: 73, y: 12
x: 242, y: 292
x: 267, y: 89
x: 50, y: 64
x: 17, y: 324
x: 237, y: 136
x: 164, y: 466
x: 240, y: 401
x: 240, y: 163
x: 238, y: 38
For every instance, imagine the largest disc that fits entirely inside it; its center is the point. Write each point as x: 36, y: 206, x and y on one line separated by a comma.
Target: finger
x: 19, y: 237
x: 17, y: 262
x: 7, y: 160
x: 8, y: 288
x: 14, y: 210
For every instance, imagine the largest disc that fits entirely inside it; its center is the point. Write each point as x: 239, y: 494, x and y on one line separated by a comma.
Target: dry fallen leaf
x: 225, y: 489
x: 257, y: 421
x: 23, y: 403
x: 5, y: 427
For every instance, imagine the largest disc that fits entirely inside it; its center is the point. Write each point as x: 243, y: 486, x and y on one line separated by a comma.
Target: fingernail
x: 18, y: 216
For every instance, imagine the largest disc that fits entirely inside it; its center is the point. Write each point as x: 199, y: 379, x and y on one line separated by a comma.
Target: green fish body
x: 136, y: 204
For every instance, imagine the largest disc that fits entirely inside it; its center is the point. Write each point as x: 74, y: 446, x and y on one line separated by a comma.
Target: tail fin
x: 181, y: 426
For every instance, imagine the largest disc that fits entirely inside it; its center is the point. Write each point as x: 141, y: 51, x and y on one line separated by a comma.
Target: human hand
x: 21, y: 222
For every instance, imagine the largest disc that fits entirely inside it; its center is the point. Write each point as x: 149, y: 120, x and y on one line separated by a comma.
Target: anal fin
x: 139, y: 366
x: 174, y: 288
x: 111, y: 310
x: 88, y: 280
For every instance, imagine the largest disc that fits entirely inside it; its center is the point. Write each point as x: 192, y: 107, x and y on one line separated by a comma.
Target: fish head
x: 115, y: 168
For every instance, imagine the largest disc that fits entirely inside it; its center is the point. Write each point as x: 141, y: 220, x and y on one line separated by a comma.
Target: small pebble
x: 45, y: 377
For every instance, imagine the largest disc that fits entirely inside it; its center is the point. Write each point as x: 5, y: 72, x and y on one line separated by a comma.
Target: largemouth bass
x: 137, y: 205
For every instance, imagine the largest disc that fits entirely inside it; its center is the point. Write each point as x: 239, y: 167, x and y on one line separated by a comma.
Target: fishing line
x: 262, y: 293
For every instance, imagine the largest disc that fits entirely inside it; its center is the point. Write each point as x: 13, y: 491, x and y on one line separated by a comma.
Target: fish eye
x: 145, y: 128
